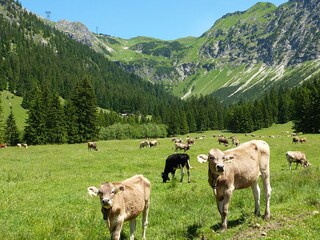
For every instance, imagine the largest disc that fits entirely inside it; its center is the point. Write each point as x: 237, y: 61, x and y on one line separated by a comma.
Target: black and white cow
x: 175, y: 161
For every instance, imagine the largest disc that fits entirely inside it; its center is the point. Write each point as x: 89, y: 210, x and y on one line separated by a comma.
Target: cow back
x: 250, y: 160
x: 135, y: 196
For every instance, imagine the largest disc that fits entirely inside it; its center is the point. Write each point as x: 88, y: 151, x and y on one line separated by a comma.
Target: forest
x: 74, y: 94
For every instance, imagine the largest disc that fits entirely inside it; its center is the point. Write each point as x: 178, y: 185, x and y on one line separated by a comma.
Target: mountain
x: 35, y: 53
x: 242, y: 55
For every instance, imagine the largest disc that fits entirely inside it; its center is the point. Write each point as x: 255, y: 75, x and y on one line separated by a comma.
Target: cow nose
x: 220, y: 168
x: 105, y: 201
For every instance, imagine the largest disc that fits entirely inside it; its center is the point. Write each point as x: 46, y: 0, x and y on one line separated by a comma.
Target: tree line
x: 53, y: 120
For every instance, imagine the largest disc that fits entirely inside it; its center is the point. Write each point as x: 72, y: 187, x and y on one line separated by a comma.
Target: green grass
x: 43, y: 192
x: 8, y: 99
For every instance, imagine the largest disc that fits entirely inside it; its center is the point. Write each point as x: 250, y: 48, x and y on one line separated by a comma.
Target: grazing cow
x: 303, y: 140
x: 181, y: 146
x: 25, y: 145
x: 239, y: 168
x: 124, y: 201
x: 19, y: 145
x: 190, y: 141
x: 235, y: 141
x: 177, y: 140
x: 154, y: 143
x: 297, y: 157
x: 3, y: 145
x: 92, y: 146
x: 144, y: 143
x: 223, y: 140
x: 175, y: 161
x: 295, y: 139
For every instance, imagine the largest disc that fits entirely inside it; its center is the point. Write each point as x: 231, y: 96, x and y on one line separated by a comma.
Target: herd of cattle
x: 229, y: 170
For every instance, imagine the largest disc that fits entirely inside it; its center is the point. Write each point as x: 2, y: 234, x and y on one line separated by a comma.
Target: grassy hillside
x: 10, y: 100
x: 43, y: 192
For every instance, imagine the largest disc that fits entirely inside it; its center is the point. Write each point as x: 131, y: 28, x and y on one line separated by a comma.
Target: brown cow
x: 235, y: 141
x: 124, y: 201
x: 3, y: 145
x: 181, y: 146
x: 239, y: 168
x: 92, y: 146
x: 144, y: 143
x: 295, y: 139
x: 190, y: 141
x: 297, y: 157
x: 303, y: 140
x: 223, y: 140
x: 154, y: 143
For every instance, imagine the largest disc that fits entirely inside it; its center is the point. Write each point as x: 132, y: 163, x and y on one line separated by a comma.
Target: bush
x: 128, y: 131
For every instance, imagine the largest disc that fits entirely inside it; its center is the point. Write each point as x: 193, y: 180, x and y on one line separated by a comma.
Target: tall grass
x: 43, y: 192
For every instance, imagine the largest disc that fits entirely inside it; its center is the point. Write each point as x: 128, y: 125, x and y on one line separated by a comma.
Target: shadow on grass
x: 231, y: 224
x: 193, y: 231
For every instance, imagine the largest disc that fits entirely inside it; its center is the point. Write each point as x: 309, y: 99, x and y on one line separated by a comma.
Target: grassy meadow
x: 43, y: 192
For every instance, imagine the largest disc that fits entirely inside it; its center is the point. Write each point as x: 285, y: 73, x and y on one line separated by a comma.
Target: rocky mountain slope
x: 241, y: 56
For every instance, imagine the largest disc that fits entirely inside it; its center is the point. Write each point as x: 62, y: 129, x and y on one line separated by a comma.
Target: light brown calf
x: 239, y: 168
x: 124, y: 201
x: 297, y: 157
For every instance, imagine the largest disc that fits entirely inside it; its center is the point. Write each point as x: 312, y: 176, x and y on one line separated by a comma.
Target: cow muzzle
x: 220, y: 168
x: 106, y: 203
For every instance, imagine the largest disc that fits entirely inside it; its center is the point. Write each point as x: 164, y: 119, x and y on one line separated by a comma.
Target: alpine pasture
x: 43, y: 191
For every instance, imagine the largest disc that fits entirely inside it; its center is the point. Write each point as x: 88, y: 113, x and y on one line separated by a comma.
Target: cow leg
x: 182, y: 173
x: 173, y: 173
x: 116, y: 230
x: 188, y: 171
x: 225, y: 207
x: 145, y: 220
x: 290, y: 163
x: 256, y: 193
x: 297, y: 165
x: 267, y: 193
x: 133, y: 223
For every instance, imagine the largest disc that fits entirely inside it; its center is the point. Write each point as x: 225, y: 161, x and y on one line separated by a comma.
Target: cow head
x: 217, y: 160
x: 306, y: 164
x: 106, y: 192
x: 165, y: 177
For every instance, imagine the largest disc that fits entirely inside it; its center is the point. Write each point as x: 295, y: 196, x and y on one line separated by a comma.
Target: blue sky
x: 163, y: 19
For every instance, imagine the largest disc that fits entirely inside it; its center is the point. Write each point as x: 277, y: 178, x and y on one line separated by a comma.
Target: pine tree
x: 55, y: 121
x: 71, y: 122
x: 84, y: 101
x: 35, y: 130
x: 11, y: 133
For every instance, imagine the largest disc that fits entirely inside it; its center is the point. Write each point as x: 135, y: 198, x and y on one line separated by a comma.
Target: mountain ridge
x: 274, y: 38
x: 241, y: 52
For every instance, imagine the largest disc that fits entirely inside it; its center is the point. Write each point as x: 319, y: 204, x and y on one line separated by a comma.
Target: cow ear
x: 119, y: 189
x: 93, y: 191
x: 202, y: 158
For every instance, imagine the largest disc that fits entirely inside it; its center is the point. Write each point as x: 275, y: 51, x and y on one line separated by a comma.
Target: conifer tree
x: 85, y: 105
x: 71, y: 122
x: 55, y: 121
x: 35, y: 130
x: 11, y: 133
